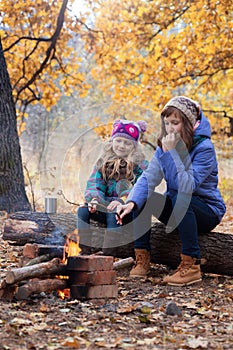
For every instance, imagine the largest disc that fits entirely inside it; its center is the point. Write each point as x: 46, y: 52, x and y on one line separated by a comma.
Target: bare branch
x: 26, y: 38
x: 49, y: 51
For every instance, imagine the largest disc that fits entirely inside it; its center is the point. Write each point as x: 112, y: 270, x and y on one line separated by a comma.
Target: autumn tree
x: 12, y: 190
x: 38, y: 71
x: 38, y: 39
x: 147, y: 51
x: 144, y: 51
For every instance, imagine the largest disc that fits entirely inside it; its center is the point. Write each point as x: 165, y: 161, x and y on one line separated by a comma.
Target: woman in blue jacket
x: 185, y: 158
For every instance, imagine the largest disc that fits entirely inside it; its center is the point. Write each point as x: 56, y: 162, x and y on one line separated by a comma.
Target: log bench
x: 37, y: 227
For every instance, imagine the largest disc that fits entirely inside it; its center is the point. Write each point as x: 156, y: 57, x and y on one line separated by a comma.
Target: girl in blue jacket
x: 115, y: 172
x: 185, y: 158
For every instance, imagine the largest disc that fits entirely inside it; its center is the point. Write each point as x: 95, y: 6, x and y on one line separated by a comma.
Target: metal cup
x: 50, y: 205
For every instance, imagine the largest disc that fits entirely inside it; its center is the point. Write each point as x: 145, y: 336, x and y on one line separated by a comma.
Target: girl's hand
x: 170, y: 141
x: 113, y: 205
x: 92, y: 206
x: 122, y: 210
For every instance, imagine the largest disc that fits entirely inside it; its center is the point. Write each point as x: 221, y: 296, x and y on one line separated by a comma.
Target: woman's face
x: 122, y: 147
x: 173, y: 124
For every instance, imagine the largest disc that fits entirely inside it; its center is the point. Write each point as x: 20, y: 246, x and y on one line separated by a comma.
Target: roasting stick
x: 100, y: 207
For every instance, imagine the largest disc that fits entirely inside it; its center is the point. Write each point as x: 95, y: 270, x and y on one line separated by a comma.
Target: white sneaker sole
x: 183, y: 284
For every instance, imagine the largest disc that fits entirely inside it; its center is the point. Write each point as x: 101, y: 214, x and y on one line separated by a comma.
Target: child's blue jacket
x: 195, y: 175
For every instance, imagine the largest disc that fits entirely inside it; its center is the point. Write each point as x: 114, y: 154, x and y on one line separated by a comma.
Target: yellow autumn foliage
x: 147, y: 51
x: 144, y: 52
x: 28, y: 31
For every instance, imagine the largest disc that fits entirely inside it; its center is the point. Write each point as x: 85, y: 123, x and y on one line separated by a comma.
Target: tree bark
x: 38, y: 286
x: 216, y: 249
x: 42, y: 269
x: 37, y: 227
x: 32, y: 227
x: 12, y: 189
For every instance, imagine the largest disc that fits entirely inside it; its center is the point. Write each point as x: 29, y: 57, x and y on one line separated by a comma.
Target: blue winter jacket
x: 196, y: 174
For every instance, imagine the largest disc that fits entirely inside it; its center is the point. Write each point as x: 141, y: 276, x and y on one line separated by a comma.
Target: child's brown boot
x: 142, y: 266
x: 188, y: 272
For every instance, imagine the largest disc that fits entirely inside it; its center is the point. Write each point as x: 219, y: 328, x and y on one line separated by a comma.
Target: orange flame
x: 64, y: 294
x: 71, y: 247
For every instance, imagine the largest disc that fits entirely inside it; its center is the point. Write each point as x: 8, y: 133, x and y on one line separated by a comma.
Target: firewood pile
x: 43, y: 270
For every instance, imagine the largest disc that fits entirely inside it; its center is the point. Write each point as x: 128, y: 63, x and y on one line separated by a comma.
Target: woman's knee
x: 111, y: 221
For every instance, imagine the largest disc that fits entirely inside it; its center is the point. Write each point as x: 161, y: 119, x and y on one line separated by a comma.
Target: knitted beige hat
x: 190, y: 108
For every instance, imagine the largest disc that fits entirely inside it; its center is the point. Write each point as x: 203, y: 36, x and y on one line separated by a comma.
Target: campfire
x: 71, y: 247
x: 64, y: 270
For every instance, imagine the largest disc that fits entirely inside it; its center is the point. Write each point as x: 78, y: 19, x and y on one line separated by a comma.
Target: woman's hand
x: 123, y: 210
x: 113, y: 205
x: 170, y: 141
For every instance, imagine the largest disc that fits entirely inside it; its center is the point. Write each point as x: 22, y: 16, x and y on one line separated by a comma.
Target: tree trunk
x: 12, y: 189
x: 32, y: 227
x: 216, y: 249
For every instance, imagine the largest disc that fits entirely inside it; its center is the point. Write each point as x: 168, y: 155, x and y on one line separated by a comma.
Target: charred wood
x: 38, y: 286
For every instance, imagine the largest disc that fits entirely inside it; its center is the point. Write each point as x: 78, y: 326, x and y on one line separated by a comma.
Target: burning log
x: 38, y: 286
x: 36, y: 254
x: 85, y: 276
x: 47, y: 268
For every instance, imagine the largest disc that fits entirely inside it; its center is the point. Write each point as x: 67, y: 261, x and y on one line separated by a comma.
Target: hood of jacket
x: 203, y: 128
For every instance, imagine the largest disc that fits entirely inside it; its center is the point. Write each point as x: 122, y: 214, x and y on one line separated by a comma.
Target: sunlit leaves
x: 143, y: 51
x: 148, y: 50
x: 28, y: 29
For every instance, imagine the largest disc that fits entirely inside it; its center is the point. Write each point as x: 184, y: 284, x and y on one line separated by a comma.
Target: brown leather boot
x: 188, y: 272
x: 142, y: 266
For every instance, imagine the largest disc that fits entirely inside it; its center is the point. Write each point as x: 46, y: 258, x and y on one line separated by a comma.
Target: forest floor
x: 137, y: 319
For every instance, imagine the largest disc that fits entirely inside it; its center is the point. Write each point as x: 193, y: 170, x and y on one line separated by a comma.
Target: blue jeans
x: 84, y: 217
x: 190, y: 216
x: 117, y: 235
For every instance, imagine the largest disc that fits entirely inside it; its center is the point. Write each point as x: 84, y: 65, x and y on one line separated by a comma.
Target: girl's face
x: 173, y: 124
x: 122, y: 147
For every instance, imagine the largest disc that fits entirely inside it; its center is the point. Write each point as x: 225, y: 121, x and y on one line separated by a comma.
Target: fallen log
x: 21, y: 228
x: 43, y: 269
x: 34, y: 227
x: 38, y: 286
x: 216, y: 247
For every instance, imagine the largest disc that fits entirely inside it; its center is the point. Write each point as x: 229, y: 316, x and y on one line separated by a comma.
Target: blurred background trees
x: 112, y: 58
